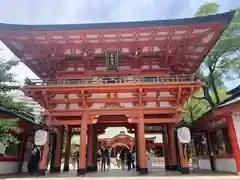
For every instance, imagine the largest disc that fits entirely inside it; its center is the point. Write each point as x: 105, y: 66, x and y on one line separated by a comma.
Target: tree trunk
x: 214, y: 88
x: 208, y: 96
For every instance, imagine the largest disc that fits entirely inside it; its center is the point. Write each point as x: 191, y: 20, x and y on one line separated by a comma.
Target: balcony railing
x: 113, y: 80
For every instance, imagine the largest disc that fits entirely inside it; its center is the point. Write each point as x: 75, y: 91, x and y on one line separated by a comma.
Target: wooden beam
x: 160, y: 120
x: 112, y: 87
x: 104, y: 100
x: 113, y: 122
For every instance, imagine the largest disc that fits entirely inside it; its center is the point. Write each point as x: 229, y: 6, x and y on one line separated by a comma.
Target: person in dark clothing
x: 122, y: 157
x: 129, y: 160
x: 33, y: 163
x: 133, y: 159
x: 103, y: 159
x: 107, y: 158
x: 98, y: 159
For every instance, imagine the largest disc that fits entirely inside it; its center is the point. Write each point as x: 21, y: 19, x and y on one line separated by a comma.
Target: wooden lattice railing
x: 114, y: 80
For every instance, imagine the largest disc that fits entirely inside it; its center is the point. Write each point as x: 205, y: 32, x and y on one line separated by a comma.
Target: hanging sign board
x: 40, y: 137
x: 184, y: 135
x: 112, y: 59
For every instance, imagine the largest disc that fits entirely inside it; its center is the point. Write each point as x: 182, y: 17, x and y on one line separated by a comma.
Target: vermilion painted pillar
x: 58, y: 150
x: 210, y: 150
x: 90, y: 149
x: 142, y: 146
x: 166, y: 151
x: 183, y: 158
x: 137, y: 150
x: 114, y: 151
x: 95, y: 146
x: 43, y: 161
x: 82, y: 156
x: 67, y: 149
x: 172, y: 147
x: 234, y: 142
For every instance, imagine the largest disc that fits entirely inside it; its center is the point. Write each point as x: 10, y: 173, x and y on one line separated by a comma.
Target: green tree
x: 223, y: 61
x: 7, y: 83
x: 195, y: 108
x: 7, y: 125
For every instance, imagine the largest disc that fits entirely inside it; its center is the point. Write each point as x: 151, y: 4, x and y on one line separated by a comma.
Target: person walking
x: 129, y: 160
x: 133, y: 159
x: 108, y: 158
x: 122, y: 158
x: 33, y: 163
x: 103, y: 159
x: 99, y: 159
x: 118, y: 160
x: 74, y: 160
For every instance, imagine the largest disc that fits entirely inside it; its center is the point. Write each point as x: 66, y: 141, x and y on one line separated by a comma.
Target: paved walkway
x: 117, y: 174
x: 157, y: 173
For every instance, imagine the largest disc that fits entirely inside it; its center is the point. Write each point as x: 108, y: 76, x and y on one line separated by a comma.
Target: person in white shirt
x: 118, y: 160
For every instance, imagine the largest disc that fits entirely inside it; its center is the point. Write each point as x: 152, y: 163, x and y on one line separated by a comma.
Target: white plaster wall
x: 151, y: 104
x: 127, y: 105
x: 74, y: 106
x: 165, y: 94
x: 9, y: 167
x: 165, y: 104
x: 73, y: 96
x: 204, y: 164
x: 124, y: 95
x: 60, y: 106
x: 225, y: 165
x: 236, y: 123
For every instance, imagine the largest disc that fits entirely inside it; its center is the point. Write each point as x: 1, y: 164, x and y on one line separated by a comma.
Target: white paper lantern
x: 184, y: 135
x: 40, y: 137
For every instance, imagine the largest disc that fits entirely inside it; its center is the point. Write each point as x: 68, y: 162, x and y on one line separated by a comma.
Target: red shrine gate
x: 125, y: 141
x: 132, y: 74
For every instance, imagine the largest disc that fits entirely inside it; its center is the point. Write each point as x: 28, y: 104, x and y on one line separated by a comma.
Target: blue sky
x: 89, y: 11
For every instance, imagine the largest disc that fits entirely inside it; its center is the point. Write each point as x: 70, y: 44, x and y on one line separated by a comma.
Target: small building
x: 216, y: 136
x: 124, y: 140
x: 16, y: 156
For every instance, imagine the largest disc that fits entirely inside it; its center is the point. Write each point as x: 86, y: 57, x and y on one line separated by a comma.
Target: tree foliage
x: 194, y: 108
x: 7, y: 83
x: 222, y: 63
x: 7, y: 125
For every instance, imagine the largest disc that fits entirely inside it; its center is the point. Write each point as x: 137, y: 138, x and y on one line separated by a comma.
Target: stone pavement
x: 117, y: 174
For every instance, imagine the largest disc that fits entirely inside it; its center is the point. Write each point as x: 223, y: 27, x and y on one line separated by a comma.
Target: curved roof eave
x: 223, y: 17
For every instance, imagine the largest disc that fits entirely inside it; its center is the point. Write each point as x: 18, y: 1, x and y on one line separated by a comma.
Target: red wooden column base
x: 184, y: 169
x: 172, y: 147
x: 43, y: 161
x: 58, y: 151
x: 95, y: 146
x: 67, y: 149
x: 90, y: 166
x: 234, y: 143
x: 142, y: 147
x: 82, y: 154
x: 166, y: 151
x: 137, y: 150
